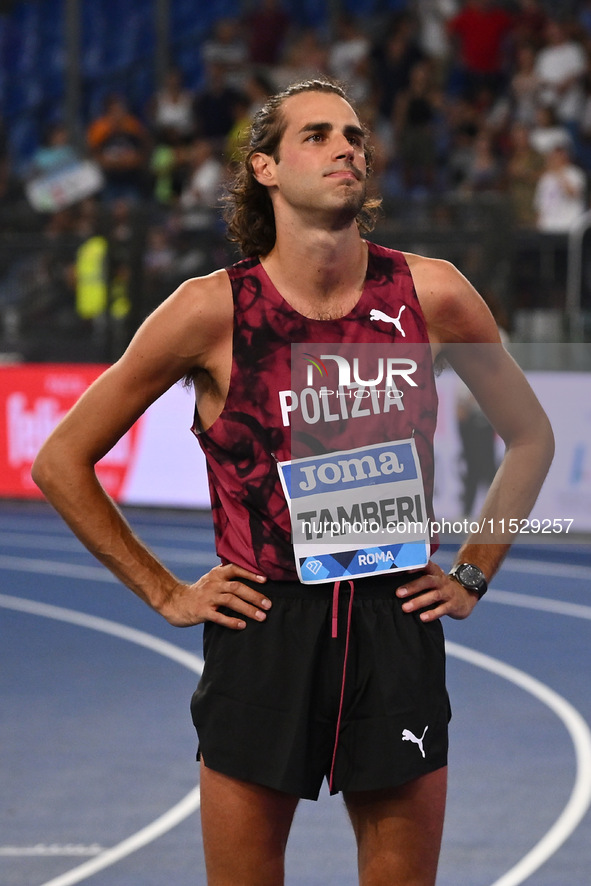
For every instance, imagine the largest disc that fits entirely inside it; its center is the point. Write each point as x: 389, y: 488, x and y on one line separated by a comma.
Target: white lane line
x: 39, y: 541
x: 157, y: 828
x: 580, y: 798
x: 189, y: 803
x: 106, y: 626
x: 544, y: 604
x: 540, y: 567
x: 54, y: 567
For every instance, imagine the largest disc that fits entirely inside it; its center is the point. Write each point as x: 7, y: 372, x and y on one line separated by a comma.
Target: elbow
x: 50, y: 469
x: 550, y: 443
x: 537, y: 438
x: 60, y: 470
x: 41, y: 470
x: 544, y: 444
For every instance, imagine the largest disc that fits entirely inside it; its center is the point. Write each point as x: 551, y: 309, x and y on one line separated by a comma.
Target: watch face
x: 470, y: 575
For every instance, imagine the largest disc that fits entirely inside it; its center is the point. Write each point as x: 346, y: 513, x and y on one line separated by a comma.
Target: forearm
x: 512, y: 495
x: 75, y: 492
x: 510, y: 499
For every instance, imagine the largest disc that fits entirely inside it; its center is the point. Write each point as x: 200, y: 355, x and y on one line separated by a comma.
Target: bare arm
x: 189, y: 331
x: 462, y: 328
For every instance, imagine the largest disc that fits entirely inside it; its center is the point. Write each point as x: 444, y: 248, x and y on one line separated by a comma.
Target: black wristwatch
x: 470, y: 577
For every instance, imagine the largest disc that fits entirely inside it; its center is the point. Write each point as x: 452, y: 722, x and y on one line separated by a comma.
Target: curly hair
x: 248, y: 208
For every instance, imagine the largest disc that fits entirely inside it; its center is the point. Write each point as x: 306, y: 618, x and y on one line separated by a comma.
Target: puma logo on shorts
x: 407, y: 735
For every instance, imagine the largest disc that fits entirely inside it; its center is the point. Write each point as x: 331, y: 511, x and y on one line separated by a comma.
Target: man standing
x: 481, y: 29
x: 560, y: 194
x: 302, y: 680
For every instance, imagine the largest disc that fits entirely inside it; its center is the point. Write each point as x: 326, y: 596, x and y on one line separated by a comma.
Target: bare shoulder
x: 187, y: 328
x: 183, y: 336
x: 200, y: 305
x: 453, y: 309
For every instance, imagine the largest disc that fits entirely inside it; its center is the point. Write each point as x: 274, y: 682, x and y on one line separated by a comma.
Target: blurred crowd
x: 468, y: 98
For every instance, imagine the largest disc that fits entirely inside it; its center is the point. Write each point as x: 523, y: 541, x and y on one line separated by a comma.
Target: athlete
x: 340, y: 677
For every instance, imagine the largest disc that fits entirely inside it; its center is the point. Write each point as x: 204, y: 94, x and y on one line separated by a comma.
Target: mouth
x: 349, y: 174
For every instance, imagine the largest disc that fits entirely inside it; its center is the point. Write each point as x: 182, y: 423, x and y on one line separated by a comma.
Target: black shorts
x: 272, y: 699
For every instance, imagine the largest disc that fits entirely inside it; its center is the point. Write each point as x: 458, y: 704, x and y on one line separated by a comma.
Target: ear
x: 263, y: 168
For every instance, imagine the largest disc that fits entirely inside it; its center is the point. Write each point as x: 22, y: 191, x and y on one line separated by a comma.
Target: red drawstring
x: 335, y: 613
x: 335, y: 609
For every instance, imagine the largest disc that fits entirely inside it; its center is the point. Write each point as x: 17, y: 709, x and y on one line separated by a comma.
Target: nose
x: 343, y: 148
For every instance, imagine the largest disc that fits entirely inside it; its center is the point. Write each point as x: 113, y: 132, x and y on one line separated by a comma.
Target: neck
x: 320, y: 273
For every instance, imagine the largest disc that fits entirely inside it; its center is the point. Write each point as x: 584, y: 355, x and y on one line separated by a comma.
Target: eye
x: 356, y: 139
x: 315, y: 137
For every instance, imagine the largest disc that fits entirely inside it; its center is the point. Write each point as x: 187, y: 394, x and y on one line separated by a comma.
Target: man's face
x: 320, y: 162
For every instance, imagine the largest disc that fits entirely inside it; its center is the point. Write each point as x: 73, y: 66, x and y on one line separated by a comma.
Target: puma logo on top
x: 407, y: 735
x: 374, y: 314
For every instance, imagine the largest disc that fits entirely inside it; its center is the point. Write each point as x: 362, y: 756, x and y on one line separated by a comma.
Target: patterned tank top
x: 273, y: 412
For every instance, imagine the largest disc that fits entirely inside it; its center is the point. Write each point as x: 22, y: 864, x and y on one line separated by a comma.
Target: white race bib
x: 357, y: 512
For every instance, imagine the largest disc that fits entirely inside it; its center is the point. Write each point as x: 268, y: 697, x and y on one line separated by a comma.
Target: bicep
x: 465, y: 333
x: 453, y: 309
x: 104, y: 413
x: 169, y: 344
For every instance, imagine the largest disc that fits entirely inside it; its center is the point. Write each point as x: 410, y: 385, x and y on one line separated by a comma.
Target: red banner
x: 33, y: 399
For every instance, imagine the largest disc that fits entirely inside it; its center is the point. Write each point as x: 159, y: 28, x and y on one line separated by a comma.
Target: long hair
x: 249, y: 211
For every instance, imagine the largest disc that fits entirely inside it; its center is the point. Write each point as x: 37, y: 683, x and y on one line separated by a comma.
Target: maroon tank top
x: 272, y: 413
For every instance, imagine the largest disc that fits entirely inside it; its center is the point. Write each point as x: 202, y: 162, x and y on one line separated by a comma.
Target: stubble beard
x: 350, y: 207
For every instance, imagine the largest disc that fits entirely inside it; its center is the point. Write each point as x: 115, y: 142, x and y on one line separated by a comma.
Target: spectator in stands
x: 561, y: 66
x: 433, y: 35
x: 204, y: 177
x: 257, y: 88
x: 524, y: 86
x: 529, y: 23
x: 168, y: 164
x: 560, y: 195
x: 348, y: 57
x: 87, y: 219
x: 416, y: 111
x: 267, y: 26
x: 383, y: 148
x: 583, y: 135
x: 391, y: 63
x: 227, y: 49
x: 47, y: 283
x: 159, y: 267
x: 120, y: 144
x: 463, y: 123
x: 55, y: 152
x: 483, y: 169
x: 305, y: 57
x: 523, y: 169
x: 214, y: 106
x: 480, y: 31
x: 238, y: 135
x: 91, y: 277
x: 172, y: 109
x: 548, y: 133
